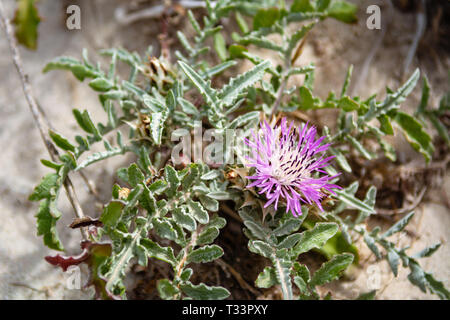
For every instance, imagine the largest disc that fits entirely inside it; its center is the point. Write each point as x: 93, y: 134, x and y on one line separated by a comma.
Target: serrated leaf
x: 204, y: 292
x: 399, y: 226
x: 413, y: 130
x: 164, y: 229
x: 230, y: 92
x: 204, y: 87
x: 161, y: 253
x: 437, y: 287
x: 205, y: 254
x: 427, y: 252
x: 355, y: 203
x: 46, y: 188
x: 244, y: 119
x: 98, y: 156
x: 316, y: 237
x: 267, y: 278
x: 372, y: 245
x: 157, y: 125
x: 46, y: 225
x: 330, y: 270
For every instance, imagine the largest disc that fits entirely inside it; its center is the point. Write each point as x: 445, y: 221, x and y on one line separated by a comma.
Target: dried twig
x: 155, y: 11
x: 37, y: 115
x: 421, y: 21
x: 237, y: 276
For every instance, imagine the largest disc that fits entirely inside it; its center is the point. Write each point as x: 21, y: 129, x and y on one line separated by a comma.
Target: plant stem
x: 37, y: 116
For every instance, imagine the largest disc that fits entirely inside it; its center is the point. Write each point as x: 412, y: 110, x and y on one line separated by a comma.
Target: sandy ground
x: 23, y: 272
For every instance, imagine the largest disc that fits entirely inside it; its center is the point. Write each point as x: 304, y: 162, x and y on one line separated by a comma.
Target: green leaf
x: 330, y: 270
x: 219, y: 195
x: 230, y: 92
x: 437, y: 287
x: 343, y: 11
x: 209, y: 203
x: 267, y: 278
x: 205, y: 89
x: 204, y: 292
x: 287, y: 227
x: 205, y: 254
x: 157, y: 125
x: 393, y: 259
x: 79, y: 70
x: 316, y: 237
x: 361, y: 149
x: 135, y: 175
x: 46, y: 224
x: 372, y: 245
x: 207, y: 236
x: 257, y: 229
x: 111, y: 214
x: 353, y: 202
x: 261, y: 248
x: 302, y: 6
x: 220, y: 46
x: 183, y: 219
x: 289, y: 241
x: 101, y: 84
x: 297, y: 36
x: 417, y: 276
x: 61, y: 141
x: 46, y: 188
x: 427, y: 252
x: 413, y: 130
x: 164, y: 229
x: 98, y: 156
x: 27, y: 20
x: 172, y: 179
x: 244, y: 119
x: 265, y: 18
x: 166, y: 289
x: 399, y: 226
x: 198, y: 212
x: 188, y: 107
x: 161, y: 253
x: 367, y: 295
x: 340, y: 159
x: 385, y: 124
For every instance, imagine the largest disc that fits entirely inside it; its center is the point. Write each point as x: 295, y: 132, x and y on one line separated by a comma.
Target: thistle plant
x: 285, y: 159
x: 288, y: 191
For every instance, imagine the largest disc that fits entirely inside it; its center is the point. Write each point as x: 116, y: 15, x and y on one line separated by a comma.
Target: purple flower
x: 285, y: 159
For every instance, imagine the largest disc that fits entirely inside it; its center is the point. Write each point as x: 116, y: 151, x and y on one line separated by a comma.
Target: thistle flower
x: 285, y: 159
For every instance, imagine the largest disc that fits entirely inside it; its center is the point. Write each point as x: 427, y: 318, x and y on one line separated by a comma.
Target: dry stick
x: 5, y: 23
x: 421, y: 21
x: 237, y: 276
x: 361, y: 80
